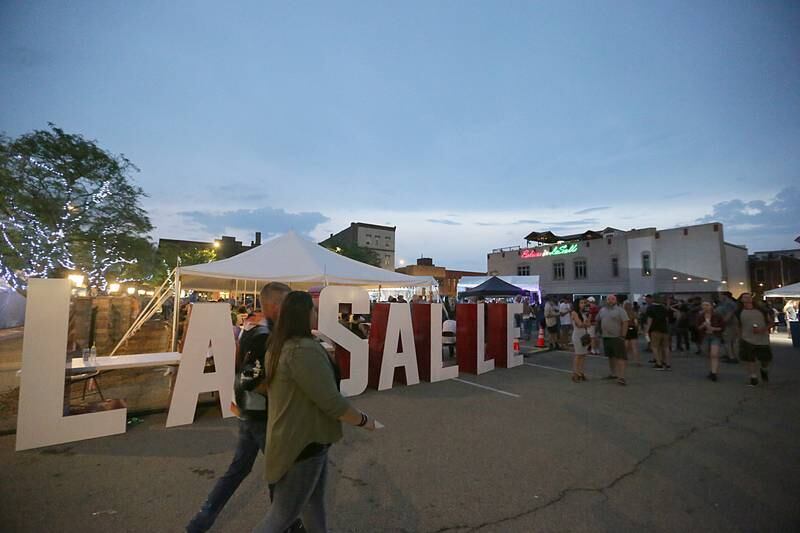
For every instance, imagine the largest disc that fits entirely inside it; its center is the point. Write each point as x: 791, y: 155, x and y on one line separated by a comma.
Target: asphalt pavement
x: 529, y: 451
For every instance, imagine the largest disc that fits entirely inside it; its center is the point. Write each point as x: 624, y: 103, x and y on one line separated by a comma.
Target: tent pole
x: 176, y: 307
x: 150, y: 309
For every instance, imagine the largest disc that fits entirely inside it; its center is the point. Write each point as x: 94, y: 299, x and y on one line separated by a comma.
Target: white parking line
x: 560, y: 352
x: 485, y: 387
x: 550, y: 368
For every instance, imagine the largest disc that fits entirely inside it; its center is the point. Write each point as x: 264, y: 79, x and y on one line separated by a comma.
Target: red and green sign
x: 561, y: 249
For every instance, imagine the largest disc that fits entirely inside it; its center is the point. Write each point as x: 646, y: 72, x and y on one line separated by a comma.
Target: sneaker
x: 712, y: 376
x: 668, y: 368
x: 610, y: 377
x: 764, y: 375
x: 651, y: 361
x: 661, y: 367
x: 621, y: 381
x: 658, y: 366
x: 754, y: 382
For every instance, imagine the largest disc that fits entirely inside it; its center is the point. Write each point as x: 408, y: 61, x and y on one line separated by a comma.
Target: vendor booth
x: 288, y: 258
x: 493, y: 286
x: 526, y: 283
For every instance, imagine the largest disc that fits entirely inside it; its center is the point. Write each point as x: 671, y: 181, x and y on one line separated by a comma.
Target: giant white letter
x: 207, y: 322
x: 329, y: 300
x: 484, y: 365
x: 41, y: 420
x: 439, y: 372
x: 512, y: 359
x: 399, y: 328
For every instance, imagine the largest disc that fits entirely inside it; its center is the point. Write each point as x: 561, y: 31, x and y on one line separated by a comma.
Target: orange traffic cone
x: 540, y: 340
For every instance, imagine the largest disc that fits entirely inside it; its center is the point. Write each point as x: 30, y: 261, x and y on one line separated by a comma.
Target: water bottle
x: 93, y: 356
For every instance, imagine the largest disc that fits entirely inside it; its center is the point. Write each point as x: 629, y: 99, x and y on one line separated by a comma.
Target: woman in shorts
x: 709, y: 329
x: 580, y: 332
x: 632, y: 335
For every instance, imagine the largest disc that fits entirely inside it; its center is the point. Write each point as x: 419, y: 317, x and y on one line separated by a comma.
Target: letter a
x: 207, y: 322
x: 399, y: 328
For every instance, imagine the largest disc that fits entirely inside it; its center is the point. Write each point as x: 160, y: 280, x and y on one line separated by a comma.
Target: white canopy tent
x: 289, y: 259
x: 295, y: 261
x: 789, y: 291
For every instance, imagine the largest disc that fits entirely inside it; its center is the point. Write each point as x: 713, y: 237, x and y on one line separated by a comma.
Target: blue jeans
x: 252, y: 437
x: 299, y: 493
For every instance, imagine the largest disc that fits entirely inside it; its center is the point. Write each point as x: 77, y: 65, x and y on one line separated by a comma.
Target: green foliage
x: 359, y: 253
x: 155, y: 264
x: 68, y: 204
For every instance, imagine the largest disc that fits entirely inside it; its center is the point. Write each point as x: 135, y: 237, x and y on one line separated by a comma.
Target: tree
x: 359, y: 253
x: 70, y: 205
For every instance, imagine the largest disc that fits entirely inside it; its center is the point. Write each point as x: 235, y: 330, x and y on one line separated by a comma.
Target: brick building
x: 773, y: 269
x: 447, y: 279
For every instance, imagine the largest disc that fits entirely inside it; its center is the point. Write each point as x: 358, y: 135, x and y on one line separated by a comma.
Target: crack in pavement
x: 602, y: 490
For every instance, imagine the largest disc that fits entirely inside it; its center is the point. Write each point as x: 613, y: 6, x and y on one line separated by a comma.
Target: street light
x: 131, y: 290
x: 216, y: 244
x: 113, y: 287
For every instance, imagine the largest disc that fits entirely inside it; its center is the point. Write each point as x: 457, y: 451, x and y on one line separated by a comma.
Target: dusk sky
x: 465, y: 124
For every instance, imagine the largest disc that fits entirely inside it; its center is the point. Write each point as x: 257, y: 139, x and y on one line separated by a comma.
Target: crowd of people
x: 727, y: 330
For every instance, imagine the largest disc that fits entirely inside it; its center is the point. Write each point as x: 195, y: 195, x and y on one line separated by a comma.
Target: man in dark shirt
x: 657, y: 328
x: 251, y: 407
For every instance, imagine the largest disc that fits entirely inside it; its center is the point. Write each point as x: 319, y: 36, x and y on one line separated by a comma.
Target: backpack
x: 250, y: 369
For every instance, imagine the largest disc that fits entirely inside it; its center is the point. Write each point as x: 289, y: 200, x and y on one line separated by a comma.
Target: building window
x: 646, y: 266
x: 558, y: 271
x: 686, y: 231
x: 760, y: 277
x: 614, y: 267
x: 524, y: 270
x: 580, y: 269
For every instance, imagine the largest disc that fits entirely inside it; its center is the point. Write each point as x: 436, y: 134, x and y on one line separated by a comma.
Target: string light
x: 44, y: 248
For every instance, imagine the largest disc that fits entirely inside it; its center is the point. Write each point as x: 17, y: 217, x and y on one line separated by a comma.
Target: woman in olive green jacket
x: 305, y: 413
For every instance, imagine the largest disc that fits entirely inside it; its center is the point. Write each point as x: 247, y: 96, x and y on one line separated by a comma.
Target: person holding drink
x: 754, y: 344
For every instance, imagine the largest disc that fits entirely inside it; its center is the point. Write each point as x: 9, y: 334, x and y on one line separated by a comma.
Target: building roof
x: 550, y: 238
x: 374, y: 226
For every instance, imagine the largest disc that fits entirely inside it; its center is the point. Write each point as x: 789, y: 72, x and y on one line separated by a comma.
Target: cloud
x: 756, y: 220
x: 528, y: 221
x: 591, y: 210
x: 444, y: 221
x: 268, y: 220
x: 583, y: 222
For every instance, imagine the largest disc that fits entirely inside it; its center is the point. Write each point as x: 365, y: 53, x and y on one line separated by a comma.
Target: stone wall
x: 113, y: 315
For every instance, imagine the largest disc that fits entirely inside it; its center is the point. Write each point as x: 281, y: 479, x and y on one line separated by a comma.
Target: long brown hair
x: 294, y: 321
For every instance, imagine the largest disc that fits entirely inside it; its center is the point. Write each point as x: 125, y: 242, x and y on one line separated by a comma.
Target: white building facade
x: 693, y: 260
